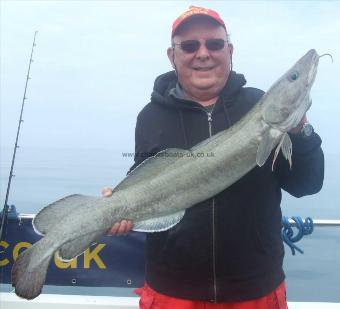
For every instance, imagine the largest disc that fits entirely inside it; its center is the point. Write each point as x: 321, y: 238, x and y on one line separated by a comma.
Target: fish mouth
x: 313, y: 70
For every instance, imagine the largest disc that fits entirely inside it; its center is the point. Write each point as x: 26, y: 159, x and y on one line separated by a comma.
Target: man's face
x: 204, y: 72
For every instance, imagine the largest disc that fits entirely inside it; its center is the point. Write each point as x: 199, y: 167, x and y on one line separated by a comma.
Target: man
x: 227, y: 251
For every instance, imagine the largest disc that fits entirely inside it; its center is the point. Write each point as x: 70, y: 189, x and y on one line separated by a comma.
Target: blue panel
x: 112, y: 262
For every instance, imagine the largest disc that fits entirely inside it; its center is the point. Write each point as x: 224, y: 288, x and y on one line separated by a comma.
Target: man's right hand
x: 119, y: 228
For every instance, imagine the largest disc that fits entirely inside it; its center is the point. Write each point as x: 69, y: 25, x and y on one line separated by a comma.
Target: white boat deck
x: 57, y: 301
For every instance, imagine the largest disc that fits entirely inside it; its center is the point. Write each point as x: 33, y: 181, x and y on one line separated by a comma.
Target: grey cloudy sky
x: 95, y: 63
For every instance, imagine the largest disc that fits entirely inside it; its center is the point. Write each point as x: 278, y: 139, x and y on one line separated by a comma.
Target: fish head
x: 286, y: 102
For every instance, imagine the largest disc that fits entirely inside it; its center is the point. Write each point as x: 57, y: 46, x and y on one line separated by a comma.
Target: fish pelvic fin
x: 28, y: 281
x: 287, y: 149
x: 267, y: 143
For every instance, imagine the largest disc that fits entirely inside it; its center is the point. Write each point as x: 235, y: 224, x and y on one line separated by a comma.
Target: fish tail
x: 28, y: 280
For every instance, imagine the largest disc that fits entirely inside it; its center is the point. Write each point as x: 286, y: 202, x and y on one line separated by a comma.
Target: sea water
x: 45, y: 175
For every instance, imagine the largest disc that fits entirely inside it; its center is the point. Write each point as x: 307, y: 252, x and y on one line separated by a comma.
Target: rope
x: 304, y: 228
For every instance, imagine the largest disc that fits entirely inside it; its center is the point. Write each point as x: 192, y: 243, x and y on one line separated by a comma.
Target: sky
x: 95, y: 63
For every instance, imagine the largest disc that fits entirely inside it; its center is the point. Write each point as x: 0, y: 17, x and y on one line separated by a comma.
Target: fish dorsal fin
x: 54, y: 213
x: 151, y: 167
x: 159, y: 224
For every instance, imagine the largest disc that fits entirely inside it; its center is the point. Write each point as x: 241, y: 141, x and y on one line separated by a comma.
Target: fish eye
x: 293, y: 76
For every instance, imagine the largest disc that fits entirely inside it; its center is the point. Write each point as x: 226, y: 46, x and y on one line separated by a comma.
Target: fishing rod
x: 5, y: 208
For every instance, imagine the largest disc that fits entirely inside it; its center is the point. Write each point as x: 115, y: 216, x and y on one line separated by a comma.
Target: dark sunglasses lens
x: 190, y: 46
x: 215, y: 44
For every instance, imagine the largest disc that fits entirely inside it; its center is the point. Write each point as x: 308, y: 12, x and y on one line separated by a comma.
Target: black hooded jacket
x: 227, y: 248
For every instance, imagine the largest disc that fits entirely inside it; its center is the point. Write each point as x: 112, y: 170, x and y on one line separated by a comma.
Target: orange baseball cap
x: 195, y: 11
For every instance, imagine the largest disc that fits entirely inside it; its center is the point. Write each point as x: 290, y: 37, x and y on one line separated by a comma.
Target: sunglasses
x: 192, y: 46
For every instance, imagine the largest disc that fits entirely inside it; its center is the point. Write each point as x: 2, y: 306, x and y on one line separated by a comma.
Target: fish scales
x: 193, y: 179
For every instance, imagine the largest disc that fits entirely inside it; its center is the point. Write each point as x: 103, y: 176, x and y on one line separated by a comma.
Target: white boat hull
x: 57, y: 301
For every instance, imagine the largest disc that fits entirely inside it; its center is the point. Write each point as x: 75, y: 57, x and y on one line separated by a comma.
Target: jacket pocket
x: 267, y: 228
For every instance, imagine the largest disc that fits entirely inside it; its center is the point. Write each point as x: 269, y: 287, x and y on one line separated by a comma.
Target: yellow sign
x: 90, y: 255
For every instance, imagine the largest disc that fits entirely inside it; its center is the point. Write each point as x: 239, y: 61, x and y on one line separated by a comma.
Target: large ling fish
x: 156, y: 193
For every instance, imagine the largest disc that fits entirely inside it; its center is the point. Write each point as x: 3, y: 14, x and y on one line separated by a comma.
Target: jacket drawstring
x: 226, y: 115
x: 183, y: 129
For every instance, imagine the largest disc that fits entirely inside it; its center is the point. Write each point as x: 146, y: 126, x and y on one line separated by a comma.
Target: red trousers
x: 150, y: 299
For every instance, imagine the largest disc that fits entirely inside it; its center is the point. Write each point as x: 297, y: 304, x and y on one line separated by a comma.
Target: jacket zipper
x: 209, y: 114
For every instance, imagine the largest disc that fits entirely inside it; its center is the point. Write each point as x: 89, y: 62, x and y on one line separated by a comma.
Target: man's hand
x: 119, y: 228
x: 298, y: 128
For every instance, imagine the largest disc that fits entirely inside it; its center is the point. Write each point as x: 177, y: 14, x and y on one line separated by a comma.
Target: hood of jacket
x: 167, y: 81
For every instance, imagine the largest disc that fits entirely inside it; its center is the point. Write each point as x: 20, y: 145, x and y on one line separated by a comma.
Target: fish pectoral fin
x: 159, y: 224
x: 265, y: 147
x: 151, y: 167
x: 55, y: 213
